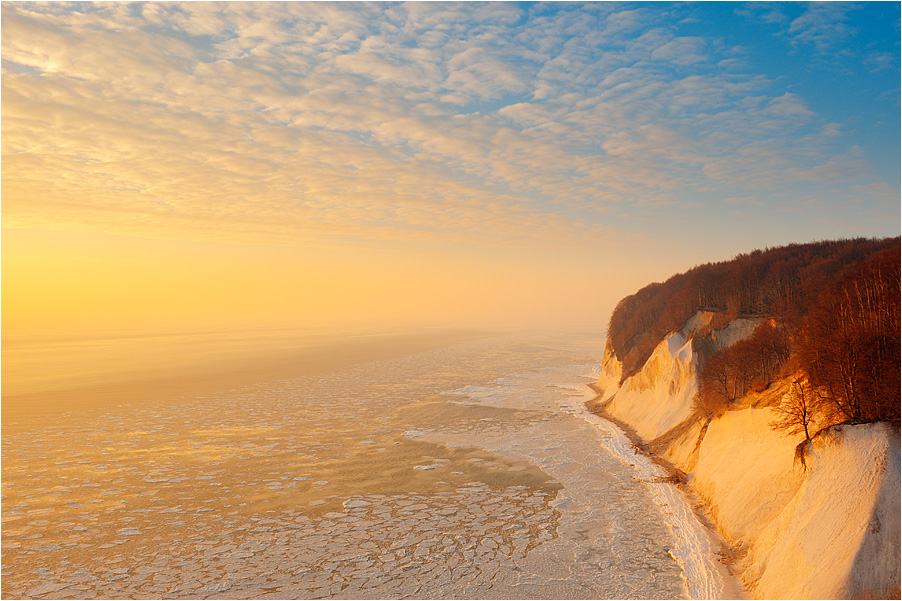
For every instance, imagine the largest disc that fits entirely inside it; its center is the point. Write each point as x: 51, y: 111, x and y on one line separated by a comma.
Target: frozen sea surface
x: 461, y: 472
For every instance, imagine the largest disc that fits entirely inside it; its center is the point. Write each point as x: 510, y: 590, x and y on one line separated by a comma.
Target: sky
x: 426, y: 164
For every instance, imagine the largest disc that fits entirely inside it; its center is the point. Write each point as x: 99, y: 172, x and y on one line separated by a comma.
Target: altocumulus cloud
x: 318, y: 123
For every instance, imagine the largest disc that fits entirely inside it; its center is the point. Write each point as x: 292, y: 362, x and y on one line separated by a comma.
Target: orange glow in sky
x: 483, y: 165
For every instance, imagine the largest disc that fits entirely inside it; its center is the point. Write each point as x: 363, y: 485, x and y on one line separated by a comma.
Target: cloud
x: 322, y: 123
x: 823, y: 25
x: 880, y: 61
x: 681, y: 51
x: 788, y: 106
x: 764, y: 11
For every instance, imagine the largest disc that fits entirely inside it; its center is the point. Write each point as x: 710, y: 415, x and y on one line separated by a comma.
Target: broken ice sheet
x: 355, y: 523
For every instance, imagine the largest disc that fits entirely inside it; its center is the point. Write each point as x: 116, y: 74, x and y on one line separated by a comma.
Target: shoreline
x: 676, y: 476
x: 701, y: 550
x: 582, y: 471
x: 596, y: 407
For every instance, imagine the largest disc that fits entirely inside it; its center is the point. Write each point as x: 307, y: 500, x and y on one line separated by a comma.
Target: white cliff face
x: 611, y: 372
x: 826, y: 531
x: 830, y: 530
x: 660, y: 396
x: 838, y: 536
x: 746, y: 471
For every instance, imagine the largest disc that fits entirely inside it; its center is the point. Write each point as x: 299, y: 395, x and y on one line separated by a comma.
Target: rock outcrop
x: 825, y: 528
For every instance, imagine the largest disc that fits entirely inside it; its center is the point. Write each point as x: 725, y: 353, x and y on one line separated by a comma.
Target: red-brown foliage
x: 780, y: 282
x: 730, y: 373
x: 834, y: 309
x: 850, y: 342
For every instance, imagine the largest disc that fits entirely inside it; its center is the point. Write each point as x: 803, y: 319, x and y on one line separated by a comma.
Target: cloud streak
x: 320, y: 123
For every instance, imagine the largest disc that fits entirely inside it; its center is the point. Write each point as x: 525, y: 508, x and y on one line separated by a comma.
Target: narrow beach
x: 699, y: 548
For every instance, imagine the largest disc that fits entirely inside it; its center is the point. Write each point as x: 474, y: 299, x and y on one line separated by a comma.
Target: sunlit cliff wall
x: 826, y: 529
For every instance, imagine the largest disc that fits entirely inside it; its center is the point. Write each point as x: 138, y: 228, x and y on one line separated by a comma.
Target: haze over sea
x: 423, y: 465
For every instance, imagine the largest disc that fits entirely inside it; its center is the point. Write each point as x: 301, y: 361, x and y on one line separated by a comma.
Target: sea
x: 464, y: 469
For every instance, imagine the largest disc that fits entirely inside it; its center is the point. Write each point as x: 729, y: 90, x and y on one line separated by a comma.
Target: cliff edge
x: 823, y: 522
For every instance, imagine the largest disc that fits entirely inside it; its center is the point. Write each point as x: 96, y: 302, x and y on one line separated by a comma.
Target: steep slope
x: 838, y: 535
x: 826, y: 529
x: 659, y: 397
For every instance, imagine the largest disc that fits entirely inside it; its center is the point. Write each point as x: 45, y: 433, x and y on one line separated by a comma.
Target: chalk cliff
x: 827, y: 529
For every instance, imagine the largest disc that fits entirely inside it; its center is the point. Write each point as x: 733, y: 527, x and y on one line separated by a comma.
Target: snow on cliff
x: 829, y: 529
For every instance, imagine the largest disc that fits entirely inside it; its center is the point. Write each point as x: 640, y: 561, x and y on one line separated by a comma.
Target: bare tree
x: 796, y: 411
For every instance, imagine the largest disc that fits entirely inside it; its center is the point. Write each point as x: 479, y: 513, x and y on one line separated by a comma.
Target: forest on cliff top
x: 829, y: 310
